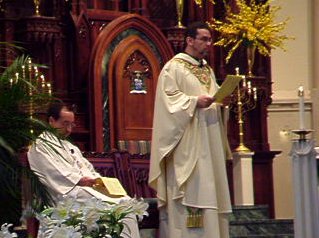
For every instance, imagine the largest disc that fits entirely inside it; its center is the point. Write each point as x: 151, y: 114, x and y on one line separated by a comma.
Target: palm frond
x: 20, y: 96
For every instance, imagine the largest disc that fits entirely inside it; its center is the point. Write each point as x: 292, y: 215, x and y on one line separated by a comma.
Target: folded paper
x: 227, y: 87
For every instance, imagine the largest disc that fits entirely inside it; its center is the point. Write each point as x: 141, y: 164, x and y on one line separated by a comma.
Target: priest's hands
x: 204, y: 101
x: 86, y: 181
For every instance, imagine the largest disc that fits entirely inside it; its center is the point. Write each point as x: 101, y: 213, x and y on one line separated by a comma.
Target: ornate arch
x: 101, y: 84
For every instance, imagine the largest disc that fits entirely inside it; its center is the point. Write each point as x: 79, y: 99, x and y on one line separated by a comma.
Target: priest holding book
x: 189, y: 145
x: 62, y: 168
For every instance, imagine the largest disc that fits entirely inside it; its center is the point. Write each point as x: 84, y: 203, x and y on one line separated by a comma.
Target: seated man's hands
x: 86, y: 181
x: 204, y: 101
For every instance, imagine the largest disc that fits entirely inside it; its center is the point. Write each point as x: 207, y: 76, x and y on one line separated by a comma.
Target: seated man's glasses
x: 68, y: 124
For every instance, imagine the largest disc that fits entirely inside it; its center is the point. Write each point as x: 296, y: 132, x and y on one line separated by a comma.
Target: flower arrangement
x: 5, y: 233
x: 94, y: 218
x: 251, y: 24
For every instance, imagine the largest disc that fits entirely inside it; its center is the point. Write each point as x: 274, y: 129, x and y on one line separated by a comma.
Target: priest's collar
x: 192, y: 59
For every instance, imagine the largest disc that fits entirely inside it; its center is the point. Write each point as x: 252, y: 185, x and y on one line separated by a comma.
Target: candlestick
x: 17, y: 77
x: 49, y: 88
x: 36, y: 75
x: 237, y: 70
x: 244, y: 82
x: 301, y: 108
x: 30, y: 69
x: 249, y: 87
x: 180, y: 9
x: 255, y: 93
x: 42, y: 81
x: 36, y: 72
x: 23, y: 71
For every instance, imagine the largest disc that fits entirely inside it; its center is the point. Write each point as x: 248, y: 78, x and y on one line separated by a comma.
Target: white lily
x: 5, y: 233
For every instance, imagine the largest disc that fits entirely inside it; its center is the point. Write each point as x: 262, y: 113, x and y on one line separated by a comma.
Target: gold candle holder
x: 36, y: 83
x: 37, y: 6
x: 241, y: 147
x: 243, y: 100
x: 302, y: 133
x: 179, y: 10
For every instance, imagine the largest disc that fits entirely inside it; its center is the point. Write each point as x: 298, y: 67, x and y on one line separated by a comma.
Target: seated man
x: 61, y: 166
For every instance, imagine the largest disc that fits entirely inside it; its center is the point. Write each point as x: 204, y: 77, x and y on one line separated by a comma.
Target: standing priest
x: 189, y: 146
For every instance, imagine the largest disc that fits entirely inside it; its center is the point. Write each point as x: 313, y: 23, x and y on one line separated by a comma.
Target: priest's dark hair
x: 191, y: 30
x: 55, y: 108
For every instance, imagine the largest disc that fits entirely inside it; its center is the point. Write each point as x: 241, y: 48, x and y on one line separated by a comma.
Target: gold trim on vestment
x: 194, y: 217
x: 202, y: 73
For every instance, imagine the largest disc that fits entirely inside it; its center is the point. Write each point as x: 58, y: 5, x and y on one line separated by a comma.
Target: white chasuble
x: 188, y: 153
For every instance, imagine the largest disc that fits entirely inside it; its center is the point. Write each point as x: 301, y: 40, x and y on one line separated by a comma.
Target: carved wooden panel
x: 139, y: 166
x: 133, y: 112
x: 126, y: 45
x: 104, y: 163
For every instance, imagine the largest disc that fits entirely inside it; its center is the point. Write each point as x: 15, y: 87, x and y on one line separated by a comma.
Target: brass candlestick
x: 37, y: 6
x: 179, y: 10
x: 243, y: 100
x: 35, y: 84
x: 30, y: 89
x: 302, y: 133
x: 241, y: 147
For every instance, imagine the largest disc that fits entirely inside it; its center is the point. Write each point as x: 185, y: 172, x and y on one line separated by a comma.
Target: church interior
x: 95, y: 53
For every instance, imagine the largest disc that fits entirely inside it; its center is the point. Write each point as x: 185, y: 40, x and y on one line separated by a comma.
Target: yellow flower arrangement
x: 251, y: 25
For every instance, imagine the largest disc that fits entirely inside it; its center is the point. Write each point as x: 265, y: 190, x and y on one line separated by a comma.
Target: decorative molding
x: 83, y: 31
x: 288, y: 105
x: 284, y: 95
x: 175, y: 36
x: 40, y: 29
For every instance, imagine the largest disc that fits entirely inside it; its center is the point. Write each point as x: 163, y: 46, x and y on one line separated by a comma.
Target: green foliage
x: 19, y: 96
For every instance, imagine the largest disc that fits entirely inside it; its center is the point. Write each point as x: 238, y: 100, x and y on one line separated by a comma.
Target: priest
x: 189, y: 145
x: 61, y: 166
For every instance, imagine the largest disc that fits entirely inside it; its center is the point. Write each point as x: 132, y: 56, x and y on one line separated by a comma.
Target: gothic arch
x: 130, y: 32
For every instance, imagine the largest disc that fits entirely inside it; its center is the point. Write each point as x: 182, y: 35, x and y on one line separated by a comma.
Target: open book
x: 110, y: 187
x: 227, y: 87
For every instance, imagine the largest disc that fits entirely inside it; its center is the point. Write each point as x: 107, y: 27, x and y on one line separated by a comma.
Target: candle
x: 255, y: 93
x: 49, y: 88
x: 23, y: 71
x: 42, y: 81
x: 249, y: 87
x: 30, y: 69
x: 17, y: 77
x: 36, y: 72
x: 36, y: 75
x: 301, y: 108
x: 237, y: 70
x: 244, y: 82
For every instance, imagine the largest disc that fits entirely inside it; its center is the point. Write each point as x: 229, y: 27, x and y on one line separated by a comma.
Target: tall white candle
x: 301, y: 108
